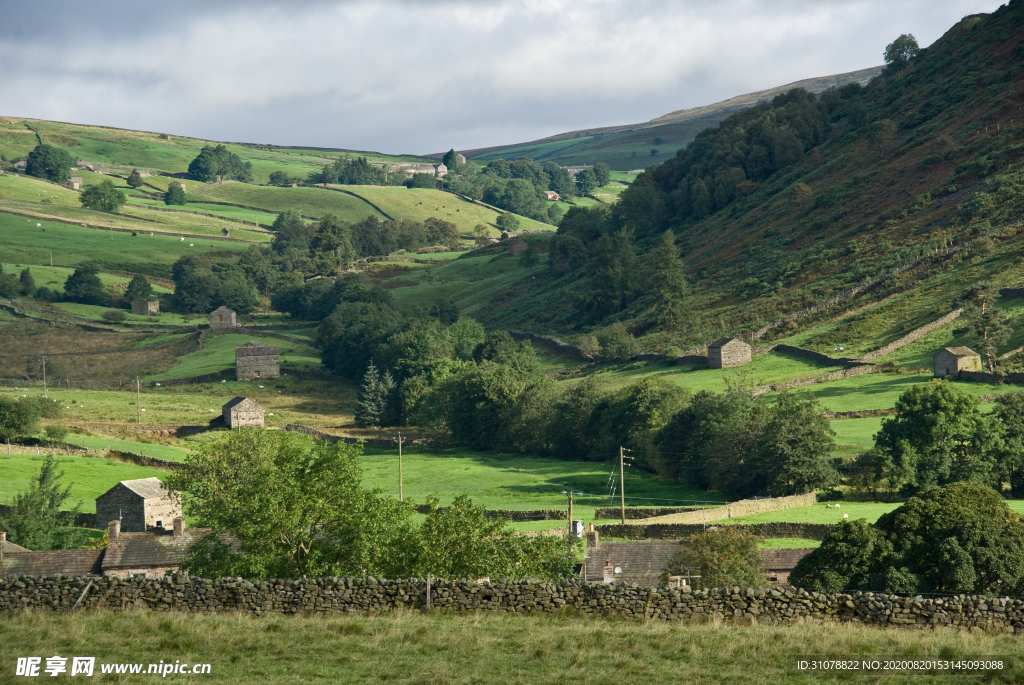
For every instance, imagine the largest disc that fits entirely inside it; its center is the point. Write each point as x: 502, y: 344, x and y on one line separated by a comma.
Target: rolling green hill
x: 636, y: 146
x: 921, y: 171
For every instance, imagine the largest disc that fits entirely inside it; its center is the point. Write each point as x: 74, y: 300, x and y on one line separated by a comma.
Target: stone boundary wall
x: 372, y: 442
x: 680, y: 531
x: 633, y: 513
x: 219, y: 217
x: 997, y: 378
x: 551, y: 343
x: 912, y: 336
x: 512, y: 514
x: 744, y: 507
x: 741, y: 606
x: 833, y: 376
x: 348, y: 192
x: 791, y: 350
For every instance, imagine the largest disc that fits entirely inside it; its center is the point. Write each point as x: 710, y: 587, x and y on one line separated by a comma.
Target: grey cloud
x: 425, y: 76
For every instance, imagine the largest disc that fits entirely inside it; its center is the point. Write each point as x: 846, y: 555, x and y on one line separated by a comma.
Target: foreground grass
x: 477, y: 648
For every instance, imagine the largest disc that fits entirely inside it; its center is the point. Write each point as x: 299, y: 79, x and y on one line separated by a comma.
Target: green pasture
x: 218, y: 353
x: 819, y: 513
x: 89, y: 477
x: 764, y: 369
x: 881, y: 390
x: 420, y: 204
x: 514, y: 482
x: 89, y: 311
x: 247, y: 215
x: 22, y: 242
x: 307, y: 201
x: 537, y: 151
x: 855, y: 436
x: 789, y: 543
x: 53, y: 277
x: 102, y: 442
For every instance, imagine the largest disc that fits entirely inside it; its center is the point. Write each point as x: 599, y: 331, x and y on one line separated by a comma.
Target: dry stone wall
x: 679, y: 531
x: 912, y: 336
x: 744, y: 606
x: 744, y: 507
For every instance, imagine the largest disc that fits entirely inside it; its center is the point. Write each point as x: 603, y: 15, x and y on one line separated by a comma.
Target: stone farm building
x: 254, y: 360
x: 138, y: 505
x: 727, y: 352
x: 241, y: 411
x: 410, y: 168
x: 74, y: 183
x: 150, y: 554
x: 644, y: 561
x: 950, y: 361
x: 222, y: 318
x: 552, y: 195
x: 144, y: 307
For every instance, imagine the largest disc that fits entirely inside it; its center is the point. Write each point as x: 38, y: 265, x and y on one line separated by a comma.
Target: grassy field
x: 89, y: 477
x: 53, y: 277
x: 514, y: 482
x: 22, y: 242
x: 762, y: 370
x: 880, y: 391
x: 313, y: 202
x: 100, y: 442
x: 854, y: 436
x: 218, y: 353
x: 408, y: 648
x: 818, y: 513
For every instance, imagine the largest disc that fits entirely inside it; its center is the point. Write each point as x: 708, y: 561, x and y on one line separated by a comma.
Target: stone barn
x: 950, y: 361
x: 254, y: 360
x: 144, y: 307
x: 242, y: 411
x: 222, y: 318
x: 138, y: 505
x: 74, y: 183
x: 728, y: 352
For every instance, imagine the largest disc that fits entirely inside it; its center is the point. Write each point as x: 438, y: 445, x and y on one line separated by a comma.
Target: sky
x: 423, y: 76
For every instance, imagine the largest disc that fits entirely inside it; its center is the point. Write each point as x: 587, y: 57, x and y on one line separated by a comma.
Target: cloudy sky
x: 422, y: 76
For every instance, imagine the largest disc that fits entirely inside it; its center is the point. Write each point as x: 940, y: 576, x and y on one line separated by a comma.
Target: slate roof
x: 222, y: 310
x: 643, y: 561
x: 255, y: 349
x: 145, y: 487
x: 239, y: 400
x: 961, y: 351
x: 143, y: 550
x: 66, y: 562
x: 8, y: 547
x: 783, y: 559
x: 722, y: 342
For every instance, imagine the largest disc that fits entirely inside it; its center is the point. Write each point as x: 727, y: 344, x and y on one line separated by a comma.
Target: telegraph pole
x: 138, y: 402
x: 44, y: 376
x: 399, y: 440
x: 622, y: 483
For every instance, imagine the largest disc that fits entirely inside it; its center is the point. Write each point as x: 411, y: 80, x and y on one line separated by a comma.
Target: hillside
x: 632, y: 146
x: 793, y: 202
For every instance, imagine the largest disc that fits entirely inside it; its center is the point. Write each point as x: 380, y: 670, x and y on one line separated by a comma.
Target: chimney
x: 3, y: 538
x: 593, y: 537
x: 113, y: 530
x: 179, y: 526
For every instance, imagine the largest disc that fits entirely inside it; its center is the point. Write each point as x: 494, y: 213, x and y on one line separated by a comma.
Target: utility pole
x: 399, y: 440
x: 138, y: 402
x: 622, y: 482
x: 44, y: 376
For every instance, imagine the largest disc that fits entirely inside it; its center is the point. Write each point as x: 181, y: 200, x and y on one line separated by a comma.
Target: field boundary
x: 86, y: 224
x: 680, y: 531
x: 744, y: 507
x: 912, y: 336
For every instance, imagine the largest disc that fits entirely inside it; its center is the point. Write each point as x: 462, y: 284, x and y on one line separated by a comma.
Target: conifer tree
x: 374, y: 398
x: 667, y: 280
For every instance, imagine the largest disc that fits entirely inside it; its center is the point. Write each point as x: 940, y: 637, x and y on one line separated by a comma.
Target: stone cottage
x: 144, y: 307
x: 727, y: 352
x: 950, y: 361
x: 241, y: 411
x: 138, y: 505
x: 222, y: 318
x: 254, y: 360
